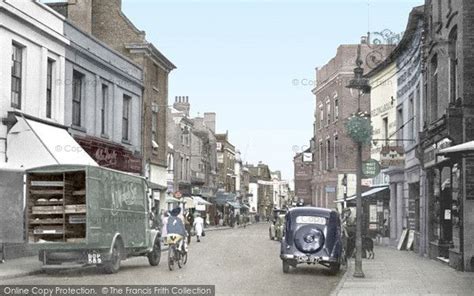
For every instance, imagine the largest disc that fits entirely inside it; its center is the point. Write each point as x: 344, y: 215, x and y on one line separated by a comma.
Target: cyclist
x: 176, y: 226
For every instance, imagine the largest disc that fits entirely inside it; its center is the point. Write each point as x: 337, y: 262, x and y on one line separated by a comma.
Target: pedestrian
x: 188, y: 223
x: 198, y: 226
x: 164, y: 223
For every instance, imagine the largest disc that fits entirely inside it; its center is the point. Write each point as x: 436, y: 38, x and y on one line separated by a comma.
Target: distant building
x: 261, y: 188
x: 179, y: 135
x: 303, y: 173
x: 226, y: 163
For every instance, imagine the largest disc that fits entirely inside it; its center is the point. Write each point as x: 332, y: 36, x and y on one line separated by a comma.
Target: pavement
x: 394, y: 272
x: 20, y: 267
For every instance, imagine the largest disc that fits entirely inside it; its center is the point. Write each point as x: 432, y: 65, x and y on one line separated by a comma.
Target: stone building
x: 204, y: 156
x: 333, y: 150
x: 261, y: 188
x: 447, y: 185
x: 303, y: 172
x: 179, y: 135
x: 106, y: 21
x: 396, y: 115
x: 103, y: 102
x: 226, y: 163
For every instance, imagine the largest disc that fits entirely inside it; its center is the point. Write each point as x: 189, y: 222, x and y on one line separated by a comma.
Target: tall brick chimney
x: 210, y: 121
x: 181, y: 103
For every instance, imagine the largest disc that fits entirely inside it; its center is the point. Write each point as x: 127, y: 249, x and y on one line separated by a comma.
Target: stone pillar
x: 400, y: 209
x: 393, y: 211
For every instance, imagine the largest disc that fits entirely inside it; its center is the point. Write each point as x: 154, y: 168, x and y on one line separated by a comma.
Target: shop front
x: 444, y: 193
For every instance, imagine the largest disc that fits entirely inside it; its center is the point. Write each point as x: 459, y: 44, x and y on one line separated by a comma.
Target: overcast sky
x: 252, y: 62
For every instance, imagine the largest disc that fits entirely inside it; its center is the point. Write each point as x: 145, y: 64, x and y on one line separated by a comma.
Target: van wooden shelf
x: 46, y: 192
x: 48, y: 203
x: 79, y: 192
x: 46, y: 221
x: 47, y: 183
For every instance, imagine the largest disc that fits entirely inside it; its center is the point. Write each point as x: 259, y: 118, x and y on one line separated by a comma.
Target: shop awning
x: 170, y: 199
x: 370, y: 192
x: 189, y: 201
x: 467, y: 147
x: 200, y: 201
x: 157, y: 187
x: 234, y: 204
x: 223, y: 197
x: 33, y: 144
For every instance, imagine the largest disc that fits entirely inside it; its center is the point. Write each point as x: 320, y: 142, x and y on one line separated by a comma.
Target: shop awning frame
x: 368, y: 193
x: 464, y: 148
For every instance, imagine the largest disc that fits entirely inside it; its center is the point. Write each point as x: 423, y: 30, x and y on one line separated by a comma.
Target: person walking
x: 198, y: 226
x: 164, y: 223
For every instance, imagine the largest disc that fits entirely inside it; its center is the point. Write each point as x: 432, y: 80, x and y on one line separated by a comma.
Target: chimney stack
x: 210, y: 121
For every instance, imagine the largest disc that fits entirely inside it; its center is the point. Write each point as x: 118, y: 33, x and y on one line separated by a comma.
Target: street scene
x: 236, y: 147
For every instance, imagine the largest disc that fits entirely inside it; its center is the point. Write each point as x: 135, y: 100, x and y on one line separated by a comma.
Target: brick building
x: 448, y: 69
x: 303, y: 172
x: 106, y: 21
x: 334, y: 151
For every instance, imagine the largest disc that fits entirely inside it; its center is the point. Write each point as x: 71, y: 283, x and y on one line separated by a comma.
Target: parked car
x: 312, y: 236
x: 277, y: 229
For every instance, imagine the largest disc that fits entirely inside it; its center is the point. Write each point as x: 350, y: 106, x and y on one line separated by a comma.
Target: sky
x: 253, y: 61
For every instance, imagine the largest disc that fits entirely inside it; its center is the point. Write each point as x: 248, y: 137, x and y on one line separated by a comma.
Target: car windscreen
x: 310, y: 220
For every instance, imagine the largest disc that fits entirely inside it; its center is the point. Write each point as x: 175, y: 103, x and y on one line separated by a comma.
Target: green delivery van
x: 88, y: 215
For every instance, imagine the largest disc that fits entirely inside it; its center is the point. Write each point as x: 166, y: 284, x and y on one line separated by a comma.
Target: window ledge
x: 79, y: 128
x: 127, y: 142
x: 105, y: 136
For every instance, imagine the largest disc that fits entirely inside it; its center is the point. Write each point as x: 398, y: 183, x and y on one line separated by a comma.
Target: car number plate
x: 311, y: 220
x: 94, y: 258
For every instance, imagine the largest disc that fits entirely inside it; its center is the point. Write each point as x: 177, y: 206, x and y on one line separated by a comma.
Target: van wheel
x: 286, y: 266
x: 113, y: 265
x: 155, y: 255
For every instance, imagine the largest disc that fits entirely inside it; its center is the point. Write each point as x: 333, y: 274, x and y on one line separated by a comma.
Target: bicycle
x: 176, y: 252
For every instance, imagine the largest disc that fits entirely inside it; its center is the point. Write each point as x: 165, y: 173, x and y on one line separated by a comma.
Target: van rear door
x: 12, y: 207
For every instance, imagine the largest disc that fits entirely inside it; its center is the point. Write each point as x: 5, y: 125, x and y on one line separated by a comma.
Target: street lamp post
x: 360, y: 136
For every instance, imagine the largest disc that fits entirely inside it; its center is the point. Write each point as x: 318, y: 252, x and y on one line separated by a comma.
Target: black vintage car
x: 312, y: 235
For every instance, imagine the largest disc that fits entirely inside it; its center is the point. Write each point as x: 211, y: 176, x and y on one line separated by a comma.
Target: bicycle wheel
x: 180, y: 259
x: 185, y: 257
x: 171, y: 256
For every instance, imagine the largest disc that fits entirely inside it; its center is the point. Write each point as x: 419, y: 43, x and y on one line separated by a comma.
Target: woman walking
x: 198, y: 226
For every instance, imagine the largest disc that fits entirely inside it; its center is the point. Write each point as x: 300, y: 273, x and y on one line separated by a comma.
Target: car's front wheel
x: 286, y: 266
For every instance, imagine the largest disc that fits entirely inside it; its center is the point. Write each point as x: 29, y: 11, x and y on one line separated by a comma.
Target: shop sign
x: 110, y: 155
x: 370, y: 168
x: 392, y: 156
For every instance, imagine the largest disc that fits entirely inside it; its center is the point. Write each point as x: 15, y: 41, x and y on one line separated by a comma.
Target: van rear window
x: 310, y: 220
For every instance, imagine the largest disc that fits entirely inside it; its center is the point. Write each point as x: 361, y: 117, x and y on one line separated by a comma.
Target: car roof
x: 311, y: 211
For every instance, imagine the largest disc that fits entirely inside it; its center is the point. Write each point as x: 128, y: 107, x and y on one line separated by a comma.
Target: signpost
x: 370, y: 168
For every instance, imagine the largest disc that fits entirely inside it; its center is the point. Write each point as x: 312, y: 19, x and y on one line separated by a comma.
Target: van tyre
x: 113, y: 265
x: 154, y: 256
x: 286, y: 266
x: 334, y: 268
